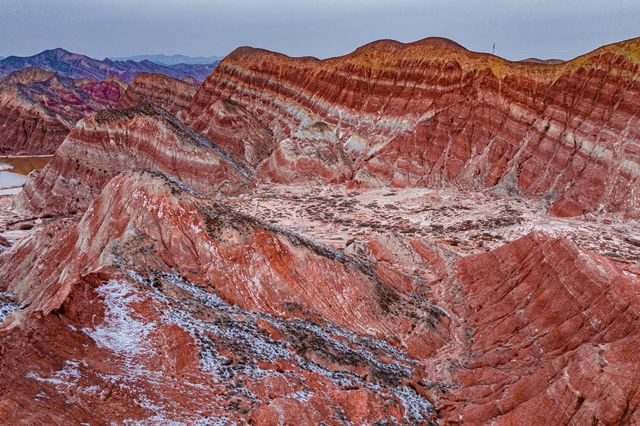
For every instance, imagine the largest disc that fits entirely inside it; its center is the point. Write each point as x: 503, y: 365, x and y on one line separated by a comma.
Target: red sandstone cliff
x: 312, y: 155
x: 27, y: 126
x: 166, y: 92
x: 236, y: 130
x: 109, y: 142
x: 431, y: 113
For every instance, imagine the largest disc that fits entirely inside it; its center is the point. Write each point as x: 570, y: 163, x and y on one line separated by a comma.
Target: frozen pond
x: 14, y: 171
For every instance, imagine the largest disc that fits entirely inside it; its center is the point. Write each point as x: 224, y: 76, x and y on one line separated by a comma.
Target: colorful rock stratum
x: 409, y: 234
x: 38, y: 108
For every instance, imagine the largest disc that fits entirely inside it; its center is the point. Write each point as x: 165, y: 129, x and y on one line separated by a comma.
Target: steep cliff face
x: 432, y: 113
x: 38, y: 107
x: 109, y: 142
x: 551, y: 333
x: 166, y: 92
x: 244, y: 305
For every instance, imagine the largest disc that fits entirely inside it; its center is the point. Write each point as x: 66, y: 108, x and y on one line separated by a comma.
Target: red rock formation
x: 236, y: 130
x: 38, y: 107
x: 109, y: 90
x: 551, y: 335
x: 27, y: 126
x: 109, y: 142
x: 160, y: 303
x: 431, y: 113
x: 126, y: 301
x: 166, y: 92
x: 311, y: 155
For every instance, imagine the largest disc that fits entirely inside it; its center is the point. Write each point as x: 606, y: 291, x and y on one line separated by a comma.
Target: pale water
x: 14, y: 171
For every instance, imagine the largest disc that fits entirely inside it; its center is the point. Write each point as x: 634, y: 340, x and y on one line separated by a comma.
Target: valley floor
x: 461, y: 222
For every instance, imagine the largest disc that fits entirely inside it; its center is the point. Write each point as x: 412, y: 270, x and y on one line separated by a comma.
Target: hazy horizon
x: 119, y: 28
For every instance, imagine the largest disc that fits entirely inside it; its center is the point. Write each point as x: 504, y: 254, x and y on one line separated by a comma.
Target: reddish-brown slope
x: 166, y: 92
x: 432, y: 113
x: 236, y: 130
x: 27, y: 126
x: 109, y: 142
x: 38, y: 107
x: 126, y: 304
x: 551, y: 337
x: 109, y: 90
x: 312, y: 155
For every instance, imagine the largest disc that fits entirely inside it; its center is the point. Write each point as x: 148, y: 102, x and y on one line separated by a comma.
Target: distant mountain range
x: 74, y: 65
x: 171, y: 59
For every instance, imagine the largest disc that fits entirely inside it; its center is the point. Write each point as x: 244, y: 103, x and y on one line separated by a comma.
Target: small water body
x: 14, y: 171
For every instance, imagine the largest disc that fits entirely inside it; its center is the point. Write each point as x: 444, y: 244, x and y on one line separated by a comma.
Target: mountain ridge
x: 175, y: 59
x: 74, y: 65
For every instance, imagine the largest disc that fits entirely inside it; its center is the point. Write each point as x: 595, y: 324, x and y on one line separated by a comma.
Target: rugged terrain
x: 409, y: 234
x: 433, y: 114
x: 38, y: 108
x: 74, y: 65
x: 166, y: 92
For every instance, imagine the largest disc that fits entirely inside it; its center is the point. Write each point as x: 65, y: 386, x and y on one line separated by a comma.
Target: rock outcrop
x: 38, y: 107
x: 166, y: 92
x: 157, y: 286
x: 109, y: 142
x: 109, y: 90
x: 432, y: 113
x: 216, y: 275
x: 236, y: 130
x: 312, y: 155
x: 551, y: 333
x: 27, y: 126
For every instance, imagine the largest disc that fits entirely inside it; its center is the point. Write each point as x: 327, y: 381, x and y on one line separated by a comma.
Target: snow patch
x: 120, y: 331
x: 6, y: 306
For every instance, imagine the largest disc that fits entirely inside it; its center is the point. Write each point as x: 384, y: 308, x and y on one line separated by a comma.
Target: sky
x: 321, y: 28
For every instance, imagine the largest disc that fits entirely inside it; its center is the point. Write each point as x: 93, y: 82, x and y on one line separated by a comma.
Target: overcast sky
x: 322, y: 28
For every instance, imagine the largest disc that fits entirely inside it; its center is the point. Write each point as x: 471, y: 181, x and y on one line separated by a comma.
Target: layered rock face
x: 109, y: 90
x: 432, y: 113
x: 27, y: 126
x: 38, y: 107
x: 146, y: 278
x: 561, y: 324
x: 166, y: 92
x: 109, y: 142
x: 250, y: 274
x: 311, y: 155
x: 236, y: 130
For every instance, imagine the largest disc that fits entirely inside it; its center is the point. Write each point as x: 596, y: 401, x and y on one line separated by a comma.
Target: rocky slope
x: 76, y: 66
x: 157, y: 287
x: 326, y: 251
x: 38, y: 107
x: 550, y: 334
x: 311, y: 155
x: 166, y: 92
x: 433, y: 114
x: 109, y: 142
